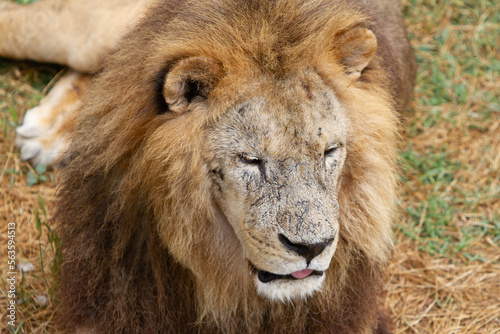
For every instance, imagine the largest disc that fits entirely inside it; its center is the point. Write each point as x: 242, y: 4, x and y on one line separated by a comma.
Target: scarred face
x: 275, y: 165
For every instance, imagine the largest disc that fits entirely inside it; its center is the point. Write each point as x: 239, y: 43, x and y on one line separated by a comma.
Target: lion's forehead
x: 295, y: 116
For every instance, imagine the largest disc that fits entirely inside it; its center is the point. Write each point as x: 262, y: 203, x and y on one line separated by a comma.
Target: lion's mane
x: 133, y: 202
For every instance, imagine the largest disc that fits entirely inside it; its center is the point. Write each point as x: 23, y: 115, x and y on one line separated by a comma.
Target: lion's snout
x: 307, y: 250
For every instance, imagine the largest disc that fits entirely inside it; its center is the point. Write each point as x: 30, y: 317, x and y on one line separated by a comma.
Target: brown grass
x: 445, y: 275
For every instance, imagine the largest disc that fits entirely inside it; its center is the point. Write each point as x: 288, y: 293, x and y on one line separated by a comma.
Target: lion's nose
x: 308, y: 251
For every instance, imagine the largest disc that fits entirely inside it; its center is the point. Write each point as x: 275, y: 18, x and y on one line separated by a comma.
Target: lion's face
x: 275, y: 161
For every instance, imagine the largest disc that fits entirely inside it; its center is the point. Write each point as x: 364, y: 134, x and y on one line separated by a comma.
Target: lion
x: 232, y: 169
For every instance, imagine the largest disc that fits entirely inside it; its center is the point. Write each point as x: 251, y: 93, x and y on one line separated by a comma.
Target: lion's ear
x: 190, y: 81
x: 358, y: 48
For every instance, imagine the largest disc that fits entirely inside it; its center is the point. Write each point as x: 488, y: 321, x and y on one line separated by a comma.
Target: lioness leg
x: 44, y: 135
x: 70, y: 32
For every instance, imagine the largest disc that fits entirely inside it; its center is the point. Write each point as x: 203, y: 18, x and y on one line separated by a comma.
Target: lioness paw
x: 45, y: 133
x: 45, y: 149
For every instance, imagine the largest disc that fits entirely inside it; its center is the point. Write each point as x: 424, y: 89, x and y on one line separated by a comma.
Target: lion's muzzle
x: 266, y: 277
x: 306, y: 250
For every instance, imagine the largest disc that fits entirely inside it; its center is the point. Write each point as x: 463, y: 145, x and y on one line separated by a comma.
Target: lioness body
x: 232, y: 170
x: 74, y: 33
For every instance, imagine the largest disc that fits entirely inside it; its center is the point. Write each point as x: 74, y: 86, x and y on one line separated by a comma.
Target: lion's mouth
x: 266, y: 276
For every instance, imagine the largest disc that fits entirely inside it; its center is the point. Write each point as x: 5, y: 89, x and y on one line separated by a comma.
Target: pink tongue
x: 302, y: 274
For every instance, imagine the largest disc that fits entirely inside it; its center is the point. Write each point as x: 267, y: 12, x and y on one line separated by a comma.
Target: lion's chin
x: 285, y: 289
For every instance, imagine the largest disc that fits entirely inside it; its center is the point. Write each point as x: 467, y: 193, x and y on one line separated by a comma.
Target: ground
x: 445, y: 273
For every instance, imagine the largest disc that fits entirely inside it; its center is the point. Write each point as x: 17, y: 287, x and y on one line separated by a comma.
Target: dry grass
x: 21, y: 85
x: 445, y: 276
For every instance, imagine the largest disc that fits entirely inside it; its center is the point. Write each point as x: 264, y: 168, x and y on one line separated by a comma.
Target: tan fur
x: 75, y: 33
x: 205, y: 138
x: 44, y: 134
